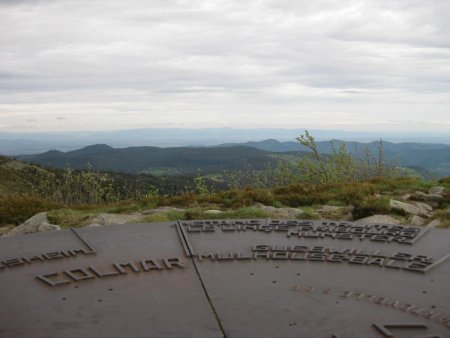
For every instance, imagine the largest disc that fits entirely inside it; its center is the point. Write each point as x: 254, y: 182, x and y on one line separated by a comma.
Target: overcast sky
x: 347, y: 64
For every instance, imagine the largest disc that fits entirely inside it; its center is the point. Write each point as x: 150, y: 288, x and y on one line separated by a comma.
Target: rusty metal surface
x: 239, y: 278
x: 165, y: 302
x: 278, y: 279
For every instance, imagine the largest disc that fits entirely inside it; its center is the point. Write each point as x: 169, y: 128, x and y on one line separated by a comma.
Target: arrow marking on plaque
x: 384, y: 328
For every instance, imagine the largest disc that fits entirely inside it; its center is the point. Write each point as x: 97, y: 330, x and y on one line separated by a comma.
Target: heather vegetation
x: 351, y: 187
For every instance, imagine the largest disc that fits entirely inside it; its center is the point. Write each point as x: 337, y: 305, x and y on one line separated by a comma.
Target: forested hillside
x: 235, y: 181
x: 154, y: 160
x: 427, y: 158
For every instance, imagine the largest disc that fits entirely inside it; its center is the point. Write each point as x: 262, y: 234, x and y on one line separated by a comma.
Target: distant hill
x: 17, y: 178
x: 424, y: 158
x: 434, y: 158
x: 14, y: 143
x: 134, y: 160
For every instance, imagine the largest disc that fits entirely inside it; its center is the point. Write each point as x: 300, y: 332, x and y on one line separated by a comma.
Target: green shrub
x: 17, y: 209
x: 310, y: 194
x: 247, y: 213
x: 445, y: 180
x: 237, y: 198
x: 171, y: 215
x: 401, y: 184
x: 371, y: 206
x: 182, y: 200
x: 340, y: 165
x: 192, y: 214
x: 444, y: 217
x: 309, y: 214
x: 66, y: 218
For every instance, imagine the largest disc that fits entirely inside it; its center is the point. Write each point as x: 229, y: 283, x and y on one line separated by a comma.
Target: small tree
x: 340, y: 165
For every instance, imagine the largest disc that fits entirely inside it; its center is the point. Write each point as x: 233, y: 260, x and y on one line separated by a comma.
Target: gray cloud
x: 321, y: 63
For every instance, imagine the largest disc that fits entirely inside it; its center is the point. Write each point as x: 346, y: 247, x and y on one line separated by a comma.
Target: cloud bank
x: 350, y: 64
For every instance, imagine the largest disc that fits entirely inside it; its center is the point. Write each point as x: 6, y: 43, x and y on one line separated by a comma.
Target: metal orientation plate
x: 233, y: 278
x: 165, y: 301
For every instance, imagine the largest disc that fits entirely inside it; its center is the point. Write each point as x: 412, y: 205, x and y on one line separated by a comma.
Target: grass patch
x: 66, y: 218
x: 445, y: 180
x: 164, y: 216
x: 238, y: 202
x: 309, y: 213
x: 313, y: 194
x: 371, y: 206
x: 401, y: 184
x: 335, y: 203
x: 247, y: 212
x: 444, y: 217
x: 241, y: 198
x: 16, y: 210
x: 200, y: 214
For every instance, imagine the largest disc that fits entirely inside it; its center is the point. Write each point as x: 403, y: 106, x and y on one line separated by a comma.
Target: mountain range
x: 14, y: 143
x: 433, y: 157
x: 154, y: 160
x: 429, y: 159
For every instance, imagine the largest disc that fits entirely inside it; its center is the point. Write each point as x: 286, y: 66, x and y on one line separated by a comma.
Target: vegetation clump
x: 362, y: 185
x: 341, y: 165
x: 17, y: 209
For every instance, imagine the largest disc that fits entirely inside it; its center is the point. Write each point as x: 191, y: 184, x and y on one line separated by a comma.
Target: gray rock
x: 48, y: 227
x: 438, y: 190
x: 213, y: 212
x: 329, y: 208
x: 341, y: 213
x: 417, y: 220
x: 3, y: 230
x: 94, y: 225
x: 421, y: 196
x: 406, y: 197
x: 280, y: 212
x: 425, y: 206
x: 408, y: 208
x: 379, y: 219
x: 108, y: 219
x: 432, y: 204
x: 161, y: 209
x: 37, y: 223
x: 434, y: 223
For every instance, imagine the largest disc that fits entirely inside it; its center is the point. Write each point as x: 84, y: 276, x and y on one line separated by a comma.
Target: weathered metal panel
x: 239, y: 278
x: 58, y: 293
x: 314, y: 279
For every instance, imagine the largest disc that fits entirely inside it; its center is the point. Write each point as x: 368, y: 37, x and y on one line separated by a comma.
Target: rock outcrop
x: 379, y: 219
x: 434, y: 223
x: 281, y: 212
x: 37, y: 223
x: 3, y: 230
x: 409, y: 209
x: 421, y: 196
x: 438, y: 190
x: 417, y: 220
x: 108, y: 219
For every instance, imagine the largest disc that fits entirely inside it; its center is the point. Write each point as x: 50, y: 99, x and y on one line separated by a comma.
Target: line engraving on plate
x: 394, y: 303
x: 22, y: 261
x: 122, y: 268
x: 398, y: 260
x: 388, y: 233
